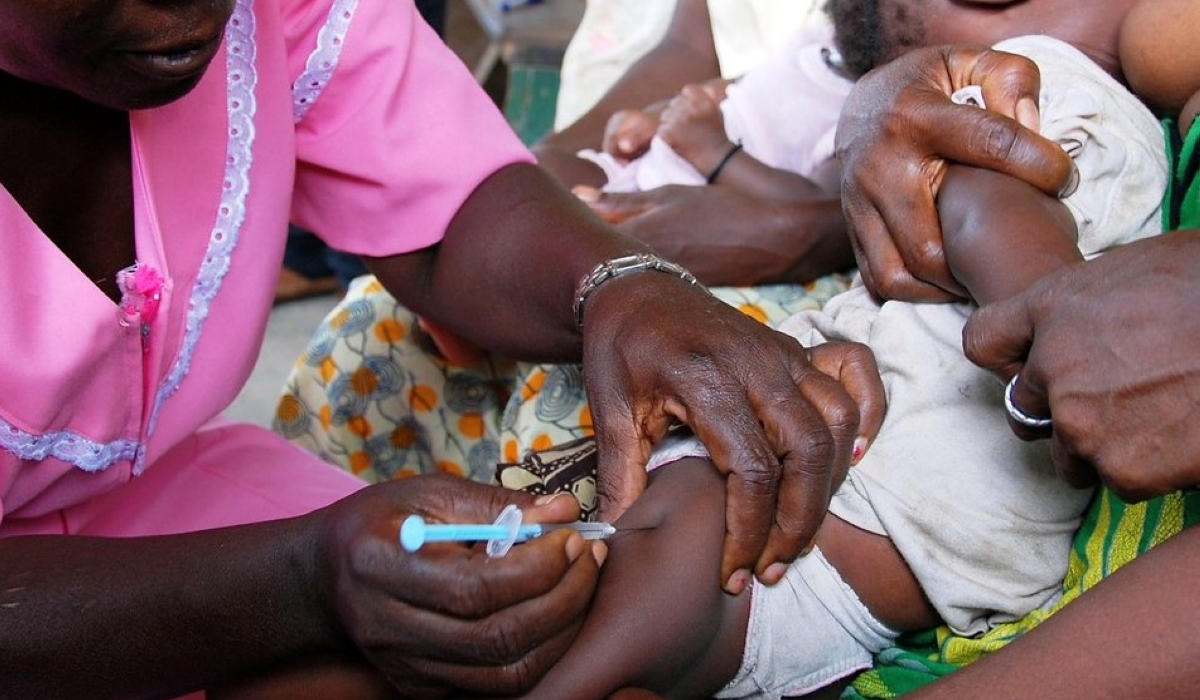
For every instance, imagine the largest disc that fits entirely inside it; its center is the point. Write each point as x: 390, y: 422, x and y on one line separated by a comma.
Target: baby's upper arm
x: 1157, y: 54
x: 659, y: 619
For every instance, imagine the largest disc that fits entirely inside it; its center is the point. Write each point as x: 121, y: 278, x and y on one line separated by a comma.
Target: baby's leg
x: 872, y: 566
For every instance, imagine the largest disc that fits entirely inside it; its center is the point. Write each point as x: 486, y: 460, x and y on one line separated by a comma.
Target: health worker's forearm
x: 506, y: 272
x: 156, y: 616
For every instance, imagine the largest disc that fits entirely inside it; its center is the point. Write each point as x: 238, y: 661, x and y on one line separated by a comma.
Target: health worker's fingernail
x: 1072, y: 183
x: 599, y: 552
x: 774, y: 573
x: 737, y: 582
x: 858, y: 450
x: 575, y: 546
x: 1028, y: 115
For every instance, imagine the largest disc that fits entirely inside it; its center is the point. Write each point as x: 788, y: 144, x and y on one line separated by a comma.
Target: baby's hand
x: 693, y: 126
x: 454, y: 348
x: 628, y: 132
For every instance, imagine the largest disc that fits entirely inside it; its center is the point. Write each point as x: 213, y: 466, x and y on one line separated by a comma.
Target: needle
x: 500, y: 535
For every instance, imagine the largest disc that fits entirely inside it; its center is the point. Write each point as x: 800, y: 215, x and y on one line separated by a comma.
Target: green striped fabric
x: 1112, y: 534
x: 1184, y: 194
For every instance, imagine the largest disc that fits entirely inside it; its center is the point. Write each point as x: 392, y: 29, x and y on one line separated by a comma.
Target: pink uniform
x: 349, y: 117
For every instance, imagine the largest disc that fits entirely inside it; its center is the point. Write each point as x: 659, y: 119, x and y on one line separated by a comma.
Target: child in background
x: 948, y: 517
x: 766, y: 132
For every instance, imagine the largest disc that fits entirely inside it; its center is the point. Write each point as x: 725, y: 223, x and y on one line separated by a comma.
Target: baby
x: 948, y: 517
x: 780, y: 115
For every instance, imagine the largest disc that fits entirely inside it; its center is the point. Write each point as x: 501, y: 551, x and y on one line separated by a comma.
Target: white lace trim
x: 92, y: 456
x: 231, y: 212
x: 65, y: 446
x: 321, y: 63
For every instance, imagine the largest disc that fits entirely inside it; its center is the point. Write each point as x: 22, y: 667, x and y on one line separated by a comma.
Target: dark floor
x: 525, y: 81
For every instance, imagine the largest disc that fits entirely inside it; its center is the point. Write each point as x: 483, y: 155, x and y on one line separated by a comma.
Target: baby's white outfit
x: 784, y: 112
x: 614, y: 34
x: 979, y: 516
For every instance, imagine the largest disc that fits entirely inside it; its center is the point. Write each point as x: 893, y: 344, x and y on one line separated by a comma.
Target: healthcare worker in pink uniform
x: 152, y: 154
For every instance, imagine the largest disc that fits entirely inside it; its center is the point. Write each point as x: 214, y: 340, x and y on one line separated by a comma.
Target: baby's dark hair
x: 868, y: 33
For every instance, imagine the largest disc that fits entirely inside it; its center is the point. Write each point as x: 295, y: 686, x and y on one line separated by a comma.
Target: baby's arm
x: 1002, y: 235
x: 693, y: 126
x: 660, y: 620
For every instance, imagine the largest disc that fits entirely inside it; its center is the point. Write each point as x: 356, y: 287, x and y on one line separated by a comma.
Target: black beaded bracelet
x: 712, y: 177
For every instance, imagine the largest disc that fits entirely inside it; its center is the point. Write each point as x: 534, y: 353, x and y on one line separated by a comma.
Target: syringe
x: 500, y: 535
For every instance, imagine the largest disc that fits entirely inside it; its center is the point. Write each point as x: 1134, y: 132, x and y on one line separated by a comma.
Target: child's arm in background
x: 693, y: 126
x: 629, y: 131
x: 1001, y: 235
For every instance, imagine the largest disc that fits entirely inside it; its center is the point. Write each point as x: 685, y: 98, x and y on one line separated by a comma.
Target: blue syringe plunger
x: 500, y: 536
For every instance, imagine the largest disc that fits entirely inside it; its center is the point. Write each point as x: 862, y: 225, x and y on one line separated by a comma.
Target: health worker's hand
x: 727, y: 237
x: 897, y: 131
x: 779, y: 420
x: 447, y: 618
x: 1107, y: 349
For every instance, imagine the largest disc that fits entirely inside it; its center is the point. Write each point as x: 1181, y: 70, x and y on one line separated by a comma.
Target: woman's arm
x: 115, y: 618
x: 655, y: 350
x: 728, y: 238
x: 1130, y: 636
x: 161, y: 616
x: 460, y: 282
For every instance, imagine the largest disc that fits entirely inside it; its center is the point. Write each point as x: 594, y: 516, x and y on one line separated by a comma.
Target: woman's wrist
x: 622, y: 266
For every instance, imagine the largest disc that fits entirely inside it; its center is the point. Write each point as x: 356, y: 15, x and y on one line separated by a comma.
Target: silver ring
x: 1017, y: 414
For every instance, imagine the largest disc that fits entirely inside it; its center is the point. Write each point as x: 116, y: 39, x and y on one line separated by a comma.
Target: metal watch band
x: 619, y: 267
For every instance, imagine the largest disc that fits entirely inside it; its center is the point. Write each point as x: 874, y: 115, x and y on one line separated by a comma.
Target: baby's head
x: 869, y: 33
x: 872, y: 32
